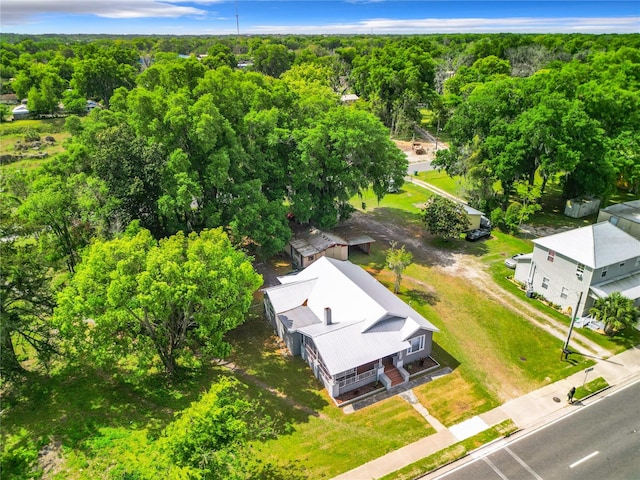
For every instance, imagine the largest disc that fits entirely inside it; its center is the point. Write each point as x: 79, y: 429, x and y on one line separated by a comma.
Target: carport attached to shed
x: 363, y: 242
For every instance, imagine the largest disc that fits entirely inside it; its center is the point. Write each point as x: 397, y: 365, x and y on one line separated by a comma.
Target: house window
x: 545, y: 282
x: 580, y: 270
x: 564, y: 293
x: 417, y: 344
x: 613, y: 220
x: 621, y: 265
x: 551, y: 255
x: 604, y: 272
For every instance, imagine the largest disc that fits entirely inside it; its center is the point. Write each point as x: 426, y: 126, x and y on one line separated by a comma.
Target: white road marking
x: 524, y: 464
x: 591, y: 455
x: 494, y: 468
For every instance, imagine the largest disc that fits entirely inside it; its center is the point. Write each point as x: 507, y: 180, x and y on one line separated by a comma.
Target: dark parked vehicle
x: 477, y: 234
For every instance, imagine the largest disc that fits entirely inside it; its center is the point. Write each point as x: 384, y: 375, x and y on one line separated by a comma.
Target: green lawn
x: 405, y: 204
x: 322, y: 443
x: 13, y: 132
x: 453, y: 452
x: 103, y: 424
x: 440, y: 179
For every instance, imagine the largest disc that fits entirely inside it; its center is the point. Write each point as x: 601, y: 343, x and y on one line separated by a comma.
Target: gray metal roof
x: 627, y: 210
x: 284, y: 298
x: 368, y: 320
x: 297, y: 318
x: 628, y: 286
x: 359, y: 240
x: 595, y: 246
x: 315, y: 242
x: 470, y: 210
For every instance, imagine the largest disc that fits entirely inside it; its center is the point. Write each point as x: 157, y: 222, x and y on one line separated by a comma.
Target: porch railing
x: 357, y: 378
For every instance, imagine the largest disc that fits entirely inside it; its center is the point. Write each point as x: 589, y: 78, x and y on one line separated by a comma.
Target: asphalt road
x: 598, y: 441
x: 419, y: 167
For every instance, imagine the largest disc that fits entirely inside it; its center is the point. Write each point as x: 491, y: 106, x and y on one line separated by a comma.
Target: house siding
x: 561, y: 273
x: 424, y: 353
x: 474, y: 221
x: 564, y: 286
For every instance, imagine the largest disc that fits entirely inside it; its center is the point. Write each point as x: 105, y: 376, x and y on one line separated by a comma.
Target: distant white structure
x: 349, y: 98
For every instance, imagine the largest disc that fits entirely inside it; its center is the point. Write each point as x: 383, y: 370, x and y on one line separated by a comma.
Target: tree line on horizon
x: 132, y: 250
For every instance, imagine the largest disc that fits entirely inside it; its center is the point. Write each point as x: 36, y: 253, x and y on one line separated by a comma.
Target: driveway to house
x: 468, y: 267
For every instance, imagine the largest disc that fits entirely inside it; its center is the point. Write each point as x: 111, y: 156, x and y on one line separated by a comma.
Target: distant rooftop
x: 627, y: 210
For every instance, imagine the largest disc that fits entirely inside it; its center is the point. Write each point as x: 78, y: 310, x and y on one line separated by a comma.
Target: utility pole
x: 237, y: 27
x: 565, y: 349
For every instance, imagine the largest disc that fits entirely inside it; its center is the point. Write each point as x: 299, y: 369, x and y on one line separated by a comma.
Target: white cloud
x: 16, y: 12
x: 463, y: 25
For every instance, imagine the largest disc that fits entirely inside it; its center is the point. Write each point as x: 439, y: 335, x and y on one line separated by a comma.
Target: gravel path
x: 466, y: 266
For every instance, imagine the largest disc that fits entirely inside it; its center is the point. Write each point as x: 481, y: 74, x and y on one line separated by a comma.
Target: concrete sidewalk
x: 529, y: 411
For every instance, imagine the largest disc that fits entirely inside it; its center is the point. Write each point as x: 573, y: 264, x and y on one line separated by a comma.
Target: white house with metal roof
x: 574, y: 268
x: 347, y: 326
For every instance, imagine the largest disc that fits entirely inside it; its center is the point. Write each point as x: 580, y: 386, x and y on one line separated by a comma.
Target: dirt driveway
x: 466, y: 266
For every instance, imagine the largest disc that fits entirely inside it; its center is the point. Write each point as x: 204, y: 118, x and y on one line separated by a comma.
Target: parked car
x: 477, y: 234
x: 511, y: 262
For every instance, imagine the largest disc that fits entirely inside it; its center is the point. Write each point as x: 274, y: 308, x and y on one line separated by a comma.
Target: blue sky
x: 218, y: 17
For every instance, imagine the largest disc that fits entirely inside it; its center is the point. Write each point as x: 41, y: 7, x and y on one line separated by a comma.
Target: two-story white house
x: 574, y: 268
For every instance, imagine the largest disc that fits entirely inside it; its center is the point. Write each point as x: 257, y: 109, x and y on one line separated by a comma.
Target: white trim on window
x: 604, y: 272
x: 417, y: 344
x: 580, y: 270
x: 564, y: 293
x: 545, y: 282
x: 551, y: 255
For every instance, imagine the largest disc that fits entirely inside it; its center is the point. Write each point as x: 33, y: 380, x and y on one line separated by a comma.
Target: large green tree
x: 135, y: 297
x: 343, y: 154
x: 26, y: 302
x: 445, y: 218
x: 208, y: 438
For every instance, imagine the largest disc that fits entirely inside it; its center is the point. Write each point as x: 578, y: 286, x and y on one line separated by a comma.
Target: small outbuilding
x: 305, y: 248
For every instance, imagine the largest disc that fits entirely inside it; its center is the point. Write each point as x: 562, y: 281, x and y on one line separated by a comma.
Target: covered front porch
x: 383, y: 373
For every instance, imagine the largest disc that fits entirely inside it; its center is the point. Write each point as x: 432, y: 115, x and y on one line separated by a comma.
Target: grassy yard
x: 321, y: 443
x: 453, y: 452
x: 403, y: 206
x: 100, y: 424
x: 13, y: 133
x: 452, y: 185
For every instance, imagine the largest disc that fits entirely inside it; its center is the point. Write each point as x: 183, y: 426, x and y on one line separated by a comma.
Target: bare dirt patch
x: 50, y: 459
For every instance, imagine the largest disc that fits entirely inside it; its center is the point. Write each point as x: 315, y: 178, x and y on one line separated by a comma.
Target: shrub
x: 31, y: 136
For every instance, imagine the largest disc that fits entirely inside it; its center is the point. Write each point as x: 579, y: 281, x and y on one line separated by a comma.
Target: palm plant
x: 615, y: 311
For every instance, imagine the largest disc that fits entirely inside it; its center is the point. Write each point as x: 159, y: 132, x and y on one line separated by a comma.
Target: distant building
x: 9, y: 99
x: 20, y: 112
x: 625, y: 216
x: 349, y: 98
